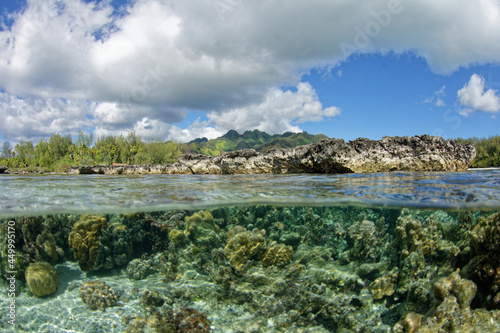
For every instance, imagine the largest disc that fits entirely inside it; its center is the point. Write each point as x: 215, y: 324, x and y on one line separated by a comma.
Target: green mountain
x: 255, y: 139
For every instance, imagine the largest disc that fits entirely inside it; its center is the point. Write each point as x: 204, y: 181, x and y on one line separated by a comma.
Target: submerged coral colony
x: 261, y: 269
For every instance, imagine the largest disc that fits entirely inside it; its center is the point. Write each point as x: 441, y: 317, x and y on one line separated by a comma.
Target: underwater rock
x: 189, y: 320
x: 243, y: 245
x: 277, y: 255
x: 312, y: 255
x: 158, y: 320
x: 84, y: 240
x: 98, y: 295
x: 42, y: 279
x: 152, y: 298
x: 367, y: 243
x: 418, y: 153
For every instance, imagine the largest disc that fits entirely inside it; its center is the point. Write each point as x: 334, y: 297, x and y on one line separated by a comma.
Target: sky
x: 179, y: 70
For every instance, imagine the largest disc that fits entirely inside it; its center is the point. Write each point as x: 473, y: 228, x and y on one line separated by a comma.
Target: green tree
x: 82, y: 151
x: 129, y: 146
x: 159, y: 152
x: 24, y: 153
x: 6, y: 150
x: 41, y: 154
x: 59, y: 146
x: 107, y: 150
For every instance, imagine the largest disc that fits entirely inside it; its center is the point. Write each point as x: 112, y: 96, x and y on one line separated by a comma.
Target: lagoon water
x: 387, y: 252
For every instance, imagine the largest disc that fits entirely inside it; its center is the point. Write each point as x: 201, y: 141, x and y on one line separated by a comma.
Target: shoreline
x: 329, y: 156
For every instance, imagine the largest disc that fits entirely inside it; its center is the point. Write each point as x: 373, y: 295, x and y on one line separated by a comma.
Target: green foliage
x: 6, y: 151
x: 59, y: 152
x: 487, y: 151
x: 256, y: 139
x: 158, y: 152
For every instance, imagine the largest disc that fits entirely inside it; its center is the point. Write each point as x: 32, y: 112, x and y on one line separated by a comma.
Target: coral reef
x: 367, y: 243
x: 384, y: 285
x: 189, y: 320
x: 176, y: 236
x: 484, y: 268
x: 42, y: 279
x: 157, y: 320
x: 98, y: 295
x: 277, y: 255
x: 115, y: 247
x: 243, y: 245
x: 84, y: 239
x: 200, y: 227
x: 287, y: 269
x: 139, y: 269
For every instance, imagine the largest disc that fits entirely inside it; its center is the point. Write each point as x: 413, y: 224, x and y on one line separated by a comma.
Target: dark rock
x: 3, y: 169
x: 418, y: 153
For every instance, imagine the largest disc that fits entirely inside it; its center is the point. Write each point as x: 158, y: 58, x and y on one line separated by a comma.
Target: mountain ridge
x: 257, y: 140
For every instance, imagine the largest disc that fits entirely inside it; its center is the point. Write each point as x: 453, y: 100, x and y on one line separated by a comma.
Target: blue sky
x: 181, y: 70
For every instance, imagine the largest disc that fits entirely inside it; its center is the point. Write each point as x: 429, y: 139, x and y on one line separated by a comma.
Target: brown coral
x: 412, y: 322
x: 277, y: 255
x: 83, y: 238
x: 243, y: 245
x: 384, y: 285
x: 190, y: 320
x: 484, y: 268
x: 463, y: 290
x: 200, y: 227
x: 98, y: 295
x: 41, y: 279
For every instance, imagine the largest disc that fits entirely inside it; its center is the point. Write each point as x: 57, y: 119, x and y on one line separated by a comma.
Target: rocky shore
x: 329, y: 156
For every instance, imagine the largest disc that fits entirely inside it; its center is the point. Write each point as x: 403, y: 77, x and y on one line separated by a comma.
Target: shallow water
x: 254, y: 253
x: 49, y: 194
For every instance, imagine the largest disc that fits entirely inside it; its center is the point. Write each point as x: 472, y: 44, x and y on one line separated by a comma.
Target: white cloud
x: 36, y: 117
x: 277, y: 112
x: 163, y: 58
x: 474, y: 97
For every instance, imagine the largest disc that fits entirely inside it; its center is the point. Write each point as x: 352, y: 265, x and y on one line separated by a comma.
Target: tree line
x: 60, y: 152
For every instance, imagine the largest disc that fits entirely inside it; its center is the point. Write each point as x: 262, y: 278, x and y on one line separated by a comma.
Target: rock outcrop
x: 418, y: 153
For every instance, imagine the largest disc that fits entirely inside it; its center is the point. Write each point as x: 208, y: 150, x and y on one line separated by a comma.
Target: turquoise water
x: 387, y: 252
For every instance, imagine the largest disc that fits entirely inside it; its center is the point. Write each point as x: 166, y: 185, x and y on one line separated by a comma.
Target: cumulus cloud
x: 277, y: 112
x: 148, y: 66
x: 474, y: 97
x: 35, y: 117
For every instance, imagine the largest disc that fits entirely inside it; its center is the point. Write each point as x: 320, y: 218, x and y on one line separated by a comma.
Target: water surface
x: 43, y: 194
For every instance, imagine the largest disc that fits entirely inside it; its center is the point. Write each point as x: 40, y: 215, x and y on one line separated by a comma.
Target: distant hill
x: 255, y: 139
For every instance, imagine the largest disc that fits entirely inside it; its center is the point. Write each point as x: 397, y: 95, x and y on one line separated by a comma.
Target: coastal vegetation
x: 61, y: 151
x: 487, y: 151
